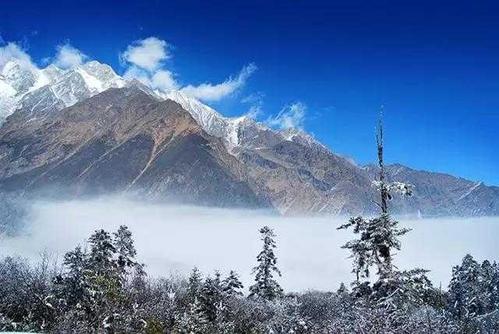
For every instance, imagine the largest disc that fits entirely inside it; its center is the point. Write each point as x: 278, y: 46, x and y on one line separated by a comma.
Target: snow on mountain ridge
x: 210, y: 120
x: 23, y: 85
x: 229, y: 129
x: 22, y: 77
x: 42, y: 90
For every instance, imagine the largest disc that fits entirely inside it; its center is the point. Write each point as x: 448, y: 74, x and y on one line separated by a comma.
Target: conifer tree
x: 194, y: 284
x: 102, y: 252
x: 490, y: 285
x: 266, y: 286
x: 378, y: 236
x: 231, y: 285
x: 94, y: 282
x: 464, y: 289
x: 124, y: 248
x: 73, y: 285
x: 211, y: 297
x: 193, y: 321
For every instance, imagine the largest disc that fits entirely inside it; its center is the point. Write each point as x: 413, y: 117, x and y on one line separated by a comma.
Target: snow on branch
x: 401, y: 188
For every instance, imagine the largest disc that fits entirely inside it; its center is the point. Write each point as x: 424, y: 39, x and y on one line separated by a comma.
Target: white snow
x: 470, y: 191
x: 7, y: 99
x: 64, y: 84
x: 210, y: 120
x: 92, y: 82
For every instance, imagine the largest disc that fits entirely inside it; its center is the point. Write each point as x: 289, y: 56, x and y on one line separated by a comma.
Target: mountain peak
x: 19, y: 75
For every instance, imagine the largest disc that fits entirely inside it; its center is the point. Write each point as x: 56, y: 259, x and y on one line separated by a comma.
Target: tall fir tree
x: 231, y: 285
x: 124, y: 248
x: 72, y: 285
x: 194, y: 284
x: 102, y: 250
x: 211, y: 296
x: 378, y: 237
x: 464, y: 288
x: 266, y: 286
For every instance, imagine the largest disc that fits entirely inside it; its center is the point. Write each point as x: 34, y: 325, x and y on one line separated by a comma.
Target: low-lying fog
x: 172, y: 240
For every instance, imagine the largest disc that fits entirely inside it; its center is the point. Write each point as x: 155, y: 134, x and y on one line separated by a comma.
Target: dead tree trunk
x: 382, y: 187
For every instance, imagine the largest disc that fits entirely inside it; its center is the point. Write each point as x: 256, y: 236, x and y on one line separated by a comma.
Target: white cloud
x: 256, y: 104
x: 292, y: 116
x: 214, y: 92
x: 133, y: 72
x: 147, y: 54
x: 68, y: 56
x: 145, y: 60
x: 12, y: 51
x: 163, y: 80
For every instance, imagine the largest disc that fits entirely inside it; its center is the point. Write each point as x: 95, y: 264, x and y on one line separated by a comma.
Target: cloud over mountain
x: 14, y: 51
x: 68, y: 56
x: 215, y: 92
x: 145, y: 62
x: 290, y: 117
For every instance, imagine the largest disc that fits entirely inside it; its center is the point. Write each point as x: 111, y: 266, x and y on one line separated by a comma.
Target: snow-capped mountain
x: 52, y: 88
x: 249, y: 161
x: 16, y: 79
x: 38, y: 91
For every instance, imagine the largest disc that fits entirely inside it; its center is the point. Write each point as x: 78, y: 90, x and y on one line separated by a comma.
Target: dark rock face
x: 121, y: 140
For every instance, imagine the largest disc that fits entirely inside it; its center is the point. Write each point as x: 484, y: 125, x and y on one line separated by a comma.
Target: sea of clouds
x: 174, y: 239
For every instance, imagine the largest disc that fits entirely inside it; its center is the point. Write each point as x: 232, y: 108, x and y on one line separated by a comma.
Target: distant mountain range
x: 87, y: 131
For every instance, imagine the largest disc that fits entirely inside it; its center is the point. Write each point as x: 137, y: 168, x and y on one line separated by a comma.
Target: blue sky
x: 434, y: 65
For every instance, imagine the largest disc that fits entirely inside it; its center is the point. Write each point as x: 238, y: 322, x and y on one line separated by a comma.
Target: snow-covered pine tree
x: 193, y: 321
x: 394, y: 292
x: 342, y: 289
x: 94, y: 282
x: 378, y: 236
x: 194, y: 284
x: 472, y: 296
x: 124, y: 248
x: 266, y: 286
x: 102, y: 250
x: 490, y: 286
x: 89, y: 278
x: 211, y: 296
x: 231, y: 285
x: 464, y: 288
x: 72, y: 285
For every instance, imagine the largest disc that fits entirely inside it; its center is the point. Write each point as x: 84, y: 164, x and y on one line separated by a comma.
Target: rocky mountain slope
x: 437, y: 194
x: 87, y: 131
x: 122, y: 140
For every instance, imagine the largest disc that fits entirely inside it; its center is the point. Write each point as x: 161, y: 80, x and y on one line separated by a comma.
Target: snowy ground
x: 171, y: 240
